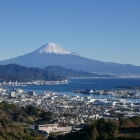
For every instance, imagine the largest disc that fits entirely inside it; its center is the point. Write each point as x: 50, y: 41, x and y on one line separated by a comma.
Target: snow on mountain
x: 51, y: 54
x: 50, y: 48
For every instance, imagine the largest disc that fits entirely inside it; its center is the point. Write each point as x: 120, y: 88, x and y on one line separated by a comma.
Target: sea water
x: 84, y: 83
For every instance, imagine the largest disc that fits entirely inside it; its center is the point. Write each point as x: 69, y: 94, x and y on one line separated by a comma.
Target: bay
x: 84, y: 83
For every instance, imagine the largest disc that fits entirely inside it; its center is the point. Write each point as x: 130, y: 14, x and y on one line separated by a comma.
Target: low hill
x: 105, y: 129
x: 57, y: 70
x: 15, y: 122
x: 14, y: 71
x: 30, y: 114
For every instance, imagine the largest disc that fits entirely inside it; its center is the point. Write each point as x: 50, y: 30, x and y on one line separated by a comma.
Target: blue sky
x: 106, y: 30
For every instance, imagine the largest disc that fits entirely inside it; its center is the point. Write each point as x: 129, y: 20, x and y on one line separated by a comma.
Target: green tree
x: 135, y: 120
x: 126, y: 123
x: 30, y: 110
x: 111, y: 128
x: 4, y: 123
x: 95, y: 134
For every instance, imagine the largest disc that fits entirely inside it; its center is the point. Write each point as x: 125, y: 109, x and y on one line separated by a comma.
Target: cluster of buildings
x: 119, y: 93
x: 71, y: 110
x: 39, y: 82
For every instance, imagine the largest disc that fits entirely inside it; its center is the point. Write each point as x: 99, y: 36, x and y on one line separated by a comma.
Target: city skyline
x: 102, y: 30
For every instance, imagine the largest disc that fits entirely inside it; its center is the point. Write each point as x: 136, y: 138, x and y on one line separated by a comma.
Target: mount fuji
x: 51, y: 48
x: 52, y: 54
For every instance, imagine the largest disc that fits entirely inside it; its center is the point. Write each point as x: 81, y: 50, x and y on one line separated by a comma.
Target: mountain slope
x: 14, y: 70
x: 5, y: 77
x: 52, y: 54
x: 57, y: 70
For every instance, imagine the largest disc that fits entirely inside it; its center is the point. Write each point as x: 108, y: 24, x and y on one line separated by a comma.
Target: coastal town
x: 69, y: 70
x: 75, y: 111
x: 33, y: 82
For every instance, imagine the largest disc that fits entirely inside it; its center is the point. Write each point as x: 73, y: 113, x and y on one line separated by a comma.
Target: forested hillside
x: 21, y: 73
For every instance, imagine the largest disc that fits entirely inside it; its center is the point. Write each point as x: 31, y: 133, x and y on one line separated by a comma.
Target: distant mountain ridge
x: 61, y: 71
x: 22, y: 73
x: 51, y: 54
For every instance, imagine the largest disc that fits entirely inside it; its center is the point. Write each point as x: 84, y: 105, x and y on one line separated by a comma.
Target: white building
x: 12, y: 94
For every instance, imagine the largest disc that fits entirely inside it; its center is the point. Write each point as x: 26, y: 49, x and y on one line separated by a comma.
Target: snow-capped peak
x: 53, y: 48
